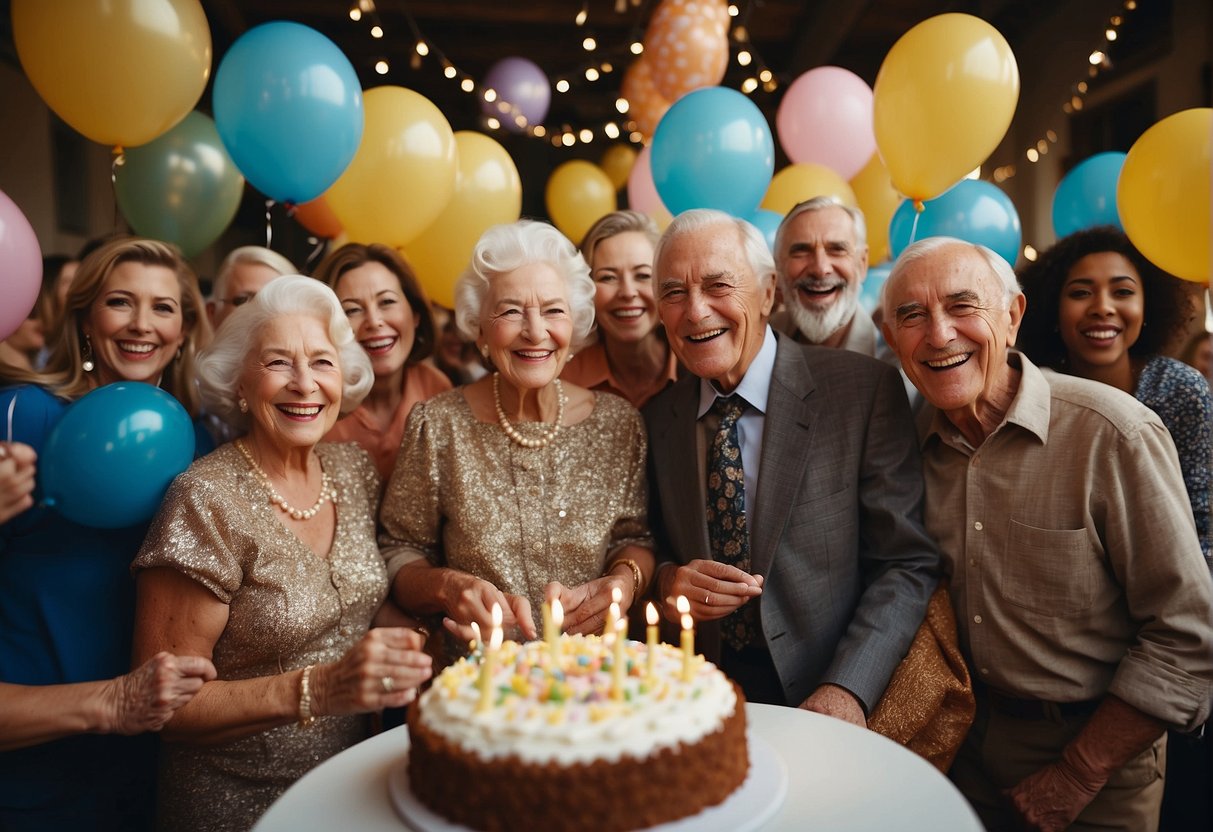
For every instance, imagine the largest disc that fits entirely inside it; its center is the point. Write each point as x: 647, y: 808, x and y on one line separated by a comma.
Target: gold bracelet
x: 637, y: 575
x: 305, y: 698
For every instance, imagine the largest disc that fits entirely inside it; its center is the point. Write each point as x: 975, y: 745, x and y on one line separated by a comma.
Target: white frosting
x: 584, y: 723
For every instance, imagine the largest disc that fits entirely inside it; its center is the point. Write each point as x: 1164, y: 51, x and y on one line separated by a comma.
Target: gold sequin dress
x: 463, y: 495
x: 288, y: 608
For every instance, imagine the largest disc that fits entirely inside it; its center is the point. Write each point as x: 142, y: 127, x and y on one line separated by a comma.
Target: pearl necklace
x: 512, y: 432
x: 327, y: 492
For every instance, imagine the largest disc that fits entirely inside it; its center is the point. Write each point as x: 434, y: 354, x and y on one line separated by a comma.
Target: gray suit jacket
x: 837, y: 527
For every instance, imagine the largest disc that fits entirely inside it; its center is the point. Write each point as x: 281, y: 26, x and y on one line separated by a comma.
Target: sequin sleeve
x: 189, y: 534
x: 410, y: 515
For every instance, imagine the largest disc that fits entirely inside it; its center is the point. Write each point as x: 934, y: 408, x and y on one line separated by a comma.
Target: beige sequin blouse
x: 464, y: 496
x: 288, y: 608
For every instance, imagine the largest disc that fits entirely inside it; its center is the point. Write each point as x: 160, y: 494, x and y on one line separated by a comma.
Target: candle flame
x: 476, y: 631
x: 496, y: 614
x: 495, y: 639
x: 650, y: 614
x: 687, y: 622
x: 684, y: 606
x: 557, y: 613
x: 616, y: 595
x: 621, y: 627
x: 614, y: 613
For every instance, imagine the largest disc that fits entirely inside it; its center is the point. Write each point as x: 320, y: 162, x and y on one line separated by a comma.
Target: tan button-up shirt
x: 1076, y: 570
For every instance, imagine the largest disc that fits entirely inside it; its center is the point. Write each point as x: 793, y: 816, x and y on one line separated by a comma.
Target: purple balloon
x: 522, y: 90
x: 20, y: 267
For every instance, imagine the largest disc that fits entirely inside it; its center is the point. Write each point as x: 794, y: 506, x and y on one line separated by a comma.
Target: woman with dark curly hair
x: 1098, y: 308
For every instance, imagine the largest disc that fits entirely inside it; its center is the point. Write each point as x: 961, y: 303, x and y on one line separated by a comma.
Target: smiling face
x: 1100, y: 311
x: 380, y: 315
x: 947, y: 318
x: 713, y: 306
x: 527, y: 326
x: 136, y: 324
x: 623, y: 287
x: 821, y: 268
x: 292, y: 381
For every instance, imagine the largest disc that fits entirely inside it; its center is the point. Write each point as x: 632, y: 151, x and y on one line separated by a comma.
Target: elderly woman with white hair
x: 263, y: 559
x: 241, y: 275
x: 519, y: 486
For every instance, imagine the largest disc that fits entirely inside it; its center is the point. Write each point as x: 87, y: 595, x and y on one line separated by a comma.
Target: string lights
x: 598, y: 62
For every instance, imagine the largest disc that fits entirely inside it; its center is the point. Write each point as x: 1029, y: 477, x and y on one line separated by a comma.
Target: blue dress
x: 1180, y: 396
x: 67, y: 603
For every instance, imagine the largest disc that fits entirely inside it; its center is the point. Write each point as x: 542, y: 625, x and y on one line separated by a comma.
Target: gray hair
x: 757, y: 253
x: 222, y: 364
x: 505, y: 248
x: 817, y: 203
x: 255, y: 255
x: 999, y: 267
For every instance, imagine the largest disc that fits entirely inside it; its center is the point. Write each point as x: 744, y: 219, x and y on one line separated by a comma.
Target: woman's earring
x: 243, y: 404
x: 177, y: 357
x: 87, y: 364
x: 484, y: 351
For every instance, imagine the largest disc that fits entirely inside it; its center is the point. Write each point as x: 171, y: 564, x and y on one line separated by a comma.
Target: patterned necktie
x: 728, y: 533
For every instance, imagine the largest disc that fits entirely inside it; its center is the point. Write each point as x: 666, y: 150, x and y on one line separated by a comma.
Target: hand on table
x: 838, y: 702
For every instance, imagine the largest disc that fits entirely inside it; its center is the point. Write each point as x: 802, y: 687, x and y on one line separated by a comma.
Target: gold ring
x: 706, y: 596
x: 389, y: 684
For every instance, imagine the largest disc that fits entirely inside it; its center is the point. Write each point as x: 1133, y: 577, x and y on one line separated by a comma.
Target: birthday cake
x: 576, y: 744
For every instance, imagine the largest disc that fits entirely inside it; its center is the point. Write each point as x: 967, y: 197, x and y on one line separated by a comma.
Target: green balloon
x: 182, y: 188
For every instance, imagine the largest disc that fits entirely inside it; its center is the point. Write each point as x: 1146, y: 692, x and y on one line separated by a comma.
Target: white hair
x: 506, y: 248
x: 757, y: 253
x: 999, y: 267
x: 255, y: 255
x: 817, y: 203
x: 221, y: 365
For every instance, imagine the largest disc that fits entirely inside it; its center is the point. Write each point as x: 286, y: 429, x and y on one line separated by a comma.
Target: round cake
x: 573, y: 743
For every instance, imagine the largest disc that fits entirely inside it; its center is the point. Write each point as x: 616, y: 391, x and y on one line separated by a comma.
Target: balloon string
x: 269, y: 225
x: 914, y: 225
x: 316, y: 252
x: 12, y: 405
x: 119, y: 161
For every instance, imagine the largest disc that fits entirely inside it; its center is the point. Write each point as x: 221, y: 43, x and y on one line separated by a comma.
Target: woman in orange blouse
x: 392, y: 321
x: 631, y: 357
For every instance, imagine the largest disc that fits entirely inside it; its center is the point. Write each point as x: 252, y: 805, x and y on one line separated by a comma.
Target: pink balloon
x: 642, y: 193
x: 826, y: 118
x: 20, y: 267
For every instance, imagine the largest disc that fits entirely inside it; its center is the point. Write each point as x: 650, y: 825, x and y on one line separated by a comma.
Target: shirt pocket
x: 1048, y: 571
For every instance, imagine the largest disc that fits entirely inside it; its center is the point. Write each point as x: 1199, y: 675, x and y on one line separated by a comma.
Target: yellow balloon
x: 943, y: 100
x: 577, y: 194
x: 403, y: 174
x: 878, y: 200
x: 1164, y: 194
x: 120, y: 73
x: 488, y: 191
x: 616, y: 163
x: 796, y: 183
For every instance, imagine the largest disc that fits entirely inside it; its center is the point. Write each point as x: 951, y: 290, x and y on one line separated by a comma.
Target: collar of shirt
x: 755, y: 385
x: 1029, y: 409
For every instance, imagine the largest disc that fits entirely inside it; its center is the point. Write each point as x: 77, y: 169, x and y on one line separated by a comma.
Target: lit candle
x: 557, y: 622
x: 650, y: 615
x: 488, y: 664
x: 688, y: 637
x: 474, y: 644
x: 613, y: 613
x: 617, y: 661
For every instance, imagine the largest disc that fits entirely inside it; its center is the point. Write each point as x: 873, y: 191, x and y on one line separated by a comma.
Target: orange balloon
x: 796, y: 183
x: 878, y: 200
x: 317, y: 217
x: 646, y: 105
x: 687, y: 44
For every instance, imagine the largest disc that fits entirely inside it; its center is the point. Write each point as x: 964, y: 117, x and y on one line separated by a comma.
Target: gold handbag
x: 928, y: 705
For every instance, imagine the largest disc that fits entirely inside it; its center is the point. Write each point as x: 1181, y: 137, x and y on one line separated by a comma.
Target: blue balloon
x: 869, y: 293
x: 1086, y: 196
x: 972, y: 210
x: 288, y: 107
x: 768, y: 223
x: 713, y: 149
x: 110, y: 458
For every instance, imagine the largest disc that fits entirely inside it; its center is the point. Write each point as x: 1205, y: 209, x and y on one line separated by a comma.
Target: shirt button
x: 978, y: 526
x: 985, y: 671
x: 537, y: 546
x: 972, y: 561
x: 977, y: 619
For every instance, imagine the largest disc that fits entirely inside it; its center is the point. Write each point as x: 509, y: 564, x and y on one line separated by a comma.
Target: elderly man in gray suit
x: 786, y: 486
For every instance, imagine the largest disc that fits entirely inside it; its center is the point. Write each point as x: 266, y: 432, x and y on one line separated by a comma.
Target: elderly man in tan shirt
x: 1084, y: 605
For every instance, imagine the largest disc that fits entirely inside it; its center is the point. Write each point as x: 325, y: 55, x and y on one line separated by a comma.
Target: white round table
x: 841, y: 779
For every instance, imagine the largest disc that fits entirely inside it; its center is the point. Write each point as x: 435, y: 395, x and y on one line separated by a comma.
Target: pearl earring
x: 88, y: 364
x: 243, y: 403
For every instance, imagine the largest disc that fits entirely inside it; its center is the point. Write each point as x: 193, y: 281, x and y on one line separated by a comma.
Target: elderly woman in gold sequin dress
x: 518, y: 484
x: 263, y: 558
